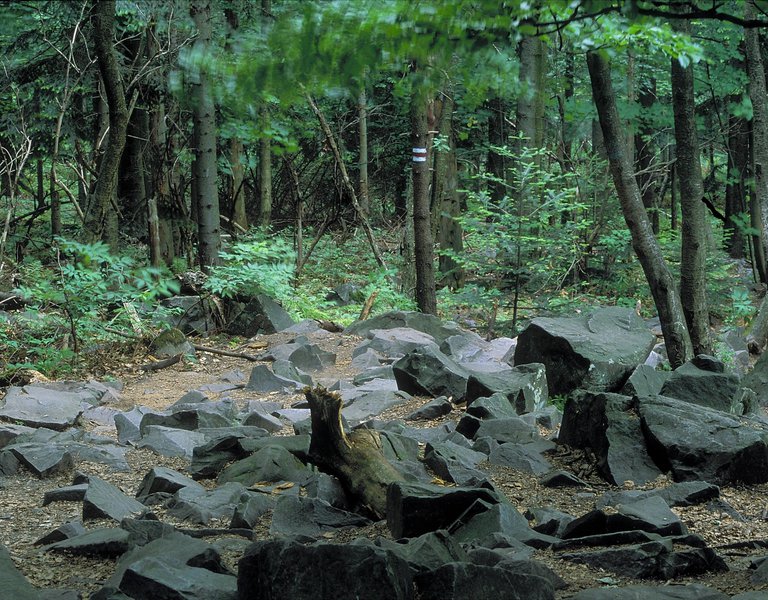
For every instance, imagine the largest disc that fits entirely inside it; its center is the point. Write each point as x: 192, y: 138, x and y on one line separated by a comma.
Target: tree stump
x: 356, y: 459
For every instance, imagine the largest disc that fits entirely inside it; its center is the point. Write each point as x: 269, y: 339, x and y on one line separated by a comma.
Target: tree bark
x: 424, y: 254
x: 757, y: 93
x: 693, y: 287
x: 660, y: 280
x: 497, y: 137
x: 204, y: 167
x: 237, y: 179
x: 101, y: 218
x: 362, y: 161
x: 647, y: 177
x: 357, y: 459
x: 735, y: 194
x: 265, y: 145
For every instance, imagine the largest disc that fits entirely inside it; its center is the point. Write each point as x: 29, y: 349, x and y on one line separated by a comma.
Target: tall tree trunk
x: 735, y: 195
x: 693, y: 286
x: 237, y: 189
x: 101, y: 219
x: 757, y: 93
x: 497, y: 137
x: 647, y: 178
x: 362, y: 161
x: 204, y: 167
x: 426, y: 298
x: 446, y: 202
x: 265, y: 145
x: 660, y: 280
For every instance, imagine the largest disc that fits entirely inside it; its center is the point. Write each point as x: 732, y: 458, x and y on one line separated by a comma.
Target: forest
x: 484, y: 161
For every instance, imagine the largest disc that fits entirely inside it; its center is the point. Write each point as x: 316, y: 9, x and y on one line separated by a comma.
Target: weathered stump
x: 356, y: 459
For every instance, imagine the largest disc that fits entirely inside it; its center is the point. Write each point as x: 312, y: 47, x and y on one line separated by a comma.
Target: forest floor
x: 23, y: 519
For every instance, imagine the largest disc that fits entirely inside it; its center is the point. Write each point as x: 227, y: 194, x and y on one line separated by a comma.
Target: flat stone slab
x: 40, y: 407
x: 105, y: 501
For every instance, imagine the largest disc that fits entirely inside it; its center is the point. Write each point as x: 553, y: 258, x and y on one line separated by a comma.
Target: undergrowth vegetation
x: 81, y: 296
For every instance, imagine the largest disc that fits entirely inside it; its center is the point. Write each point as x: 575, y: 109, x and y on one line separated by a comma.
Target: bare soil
x: 23, y: 519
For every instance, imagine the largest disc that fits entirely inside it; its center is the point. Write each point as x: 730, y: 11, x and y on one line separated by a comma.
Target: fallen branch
x: 161, y: 364
x: 368, y: 306
x: 357, y: 459
x: 249, y: 357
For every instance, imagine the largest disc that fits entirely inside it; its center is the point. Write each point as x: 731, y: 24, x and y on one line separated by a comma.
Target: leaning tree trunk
x: 735, y: 204
x: 204, y: 167
x: 660, y: 280
x: 693, y: 287
x: 647, y: 178
x: 101, y: 220
x: 357, y: 459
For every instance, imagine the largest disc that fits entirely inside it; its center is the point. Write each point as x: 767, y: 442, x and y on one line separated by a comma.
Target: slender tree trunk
x: 693, y: 286
x: 735, y: 201
x: 101, y: 219
x: 497, y: 137
x: 647, y: 178
x: 426, y: 298
x: 204, y: 168
x: 660, y: 280
x: 237, y: 189
x: 362, y: 116
x: 265, y: 145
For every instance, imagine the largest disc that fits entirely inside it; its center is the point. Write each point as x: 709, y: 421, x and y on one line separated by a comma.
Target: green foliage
x: 82, y: 289
x: 256, y: 264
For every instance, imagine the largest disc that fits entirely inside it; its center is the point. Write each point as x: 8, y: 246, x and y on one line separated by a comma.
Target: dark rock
x: 169, y: 441
x: 264, y: 420
x: 153, y: 578
x: 616, y: 538
x: 648, y: 514
x: 163, y: 479
x: 278, y: 569
x: 345, y: 293
x: 458, y: 581
x: 272, y: 463
x: 190, y: 420
x: 209, y: 458
x: 591, y: 523
x: 693, y: 591
x: 170, y: 342
x: 645, y: 380
x: 66, y: 531
x: 558, y: 479
x: 196, y: 506
x: 549, y: 521
x: 327, y: 488
x: 597, y: 350
x: 41, y: 407
x: 259, y: 315
x: 395, y: 343
x: 509, y: 429
x: 104, y: 501
x: 496, y: 406
x: 144, y: 531
x: 43, y: 459
x: 434, y: 409
x: 196, y: 315
x: 426, y: 552
x: 525, y: 387
x: 428, y: 371
x: 263, y: 380
x: 127, y: 424
x: 454, y: 463
x: 528, y: 458
x: 370, y: 359
x: 310, y: 517
x: 757, y: 379
x: 422, y: 322
x: 372, y: 404
x: 69, y: 493
x: 309, y: 357
x: 16, y: 587
x: 250, y: 509
x: 706, y: 387
x: 417, y: 508
x: 686, y: 493
x: 482, y: 521
x: 109, y: 542
x: 699, y: 443
x: 287, y: 370
x: 9, y: 433
x: 176, y: 551
x: 608, y: 424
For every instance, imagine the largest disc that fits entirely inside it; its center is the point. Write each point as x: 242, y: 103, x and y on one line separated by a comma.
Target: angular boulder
x: 700, y: 443
x: 597, y: 350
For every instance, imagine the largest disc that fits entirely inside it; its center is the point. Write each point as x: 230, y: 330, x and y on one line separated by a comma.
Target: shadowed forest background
x: 485, y: 161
